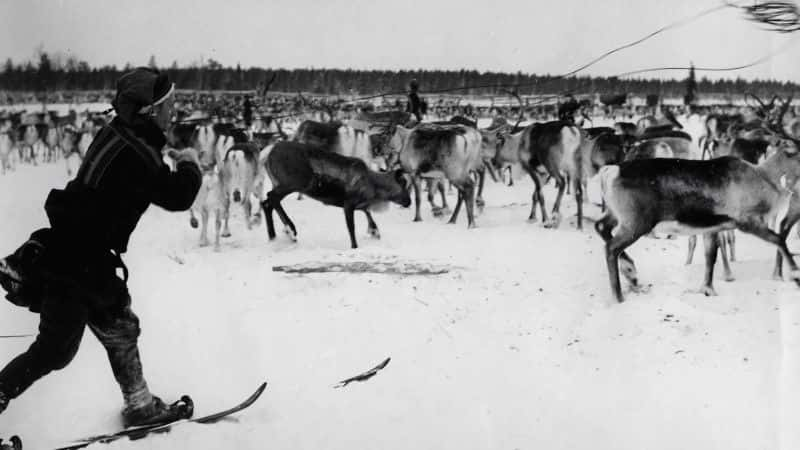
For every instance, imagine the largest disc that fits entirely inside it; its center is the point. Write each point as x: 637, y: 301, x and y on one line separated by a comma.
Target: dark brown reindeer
x: 697, y: 196
x: 332, y: 179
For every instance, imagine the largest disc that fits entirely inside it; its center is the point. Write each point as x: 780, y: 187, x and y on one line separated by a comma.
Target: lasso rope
x: 783, y: 17
x: 780, y: 16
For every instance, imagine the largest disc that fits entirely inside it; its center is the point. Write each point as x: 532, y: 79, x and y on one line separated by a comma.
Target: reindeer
x: 6, y: 150
x: 211, y: 197
x: 70, y: 139
x: 694, y: 197
x: 239, y: 175
x: 332, y: 179
x: 556, y: 146
x: 453, y: 151
x: 750, y: 146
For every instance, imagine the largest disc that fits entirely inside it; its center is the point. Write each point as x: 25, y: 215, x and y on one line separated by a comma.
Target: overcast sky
x: 487, y: 35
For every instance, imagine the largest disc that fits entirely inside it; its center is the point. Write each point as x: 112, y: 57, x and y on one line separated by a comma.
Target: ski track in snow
x: 518, y: 346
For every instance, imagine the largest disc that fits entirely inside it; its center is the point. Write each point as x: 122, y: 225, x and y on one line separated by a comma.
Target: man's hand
x: 185, y: 155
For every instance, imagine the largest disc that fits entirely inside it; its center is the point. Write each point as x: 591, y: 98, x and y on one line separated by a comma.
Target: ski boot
x: 15, y: 443
x: 157, y: 412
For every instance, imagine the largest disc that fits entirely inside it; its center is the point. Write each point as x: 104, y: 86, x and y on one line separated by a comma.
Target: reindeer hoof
x: 226, y: 234
x: 437, y: 212
x: 794, y: 275
x: 193, y: 223
x: 292, y: 235
x: 374, y: 233
x: 708, y: 291
x: 729, y: 277
x: 417, y: 219
x: 203, y: 243
x: 639, y: 289
x: 480, y: 203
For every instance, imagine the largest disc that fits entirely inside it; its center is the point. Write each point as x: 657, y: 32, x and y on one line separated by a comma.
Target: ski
x: 144, y: 431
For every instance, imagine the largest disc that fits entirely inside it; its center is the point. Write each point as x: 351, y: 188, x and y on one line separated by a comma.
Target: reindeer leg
x: 579, y: 201
x: 443, y: 194
x: 492, y: 174
x: 289, y: 227
x: 510, y: 176
x: 567, y: 178
x: 535, y: 196
x: 351, y: 227
x: 267, y: 207
x: 481, y: 178
x: 458, y: 207
x: 615, y: 250
x: 468, y: 193
x: 777, y: 272
x: 415, y: 181
x: 556, y: 218
x: 691, y: 247
x: 723, y: 250
x: 777, y: 240
x: 431, y: 186
x: 257, y: 215
x: 372, y: 227
x: 226, y: 232
x: 429, y: 191
x: 729, y: 237
x: 247, y: 210
x: 204, y: 227
x: 710, y: 244
x: 217, y: 227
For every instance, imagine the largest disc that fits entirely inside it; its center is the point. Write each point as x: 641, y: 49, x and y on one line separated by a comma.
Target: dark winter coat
x: 414, y: 105
x: 122, y: 174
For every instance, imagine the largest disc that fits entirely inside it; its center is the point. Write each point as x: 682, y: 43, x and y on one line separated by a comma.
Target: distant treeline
x: 72, y: 75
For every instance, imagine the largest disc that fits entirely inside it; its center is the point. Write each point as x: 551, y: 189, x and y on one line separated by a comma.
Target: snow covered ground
x: 519, y: 346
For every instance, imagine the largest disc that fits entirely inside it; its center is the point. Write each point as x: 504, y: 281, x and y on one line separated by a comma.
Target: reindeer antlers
x: 515, y: 94
x: 765, y: 110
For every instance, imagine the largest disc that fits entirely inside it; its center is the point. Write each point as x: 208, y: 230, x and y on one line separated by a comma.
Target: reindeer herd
x: 740, y: 172
x: 47, y: 138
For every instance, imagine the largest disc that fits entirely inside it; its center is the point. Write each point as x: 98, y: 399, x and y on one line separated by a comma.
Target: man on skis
x: 68, y: 273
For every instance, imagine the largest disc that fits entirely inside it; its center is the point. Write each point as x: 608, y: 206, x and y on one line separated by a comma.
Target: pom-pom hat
x: 139, y: 90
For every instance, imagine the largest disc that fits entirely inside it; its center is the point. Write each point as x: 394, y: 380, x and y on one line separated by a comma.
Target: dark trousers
x: 66, y: 309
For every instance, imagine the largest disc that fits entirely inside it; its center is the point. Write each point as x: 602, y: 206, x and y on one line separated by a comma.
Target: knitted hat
x: 139, y: 90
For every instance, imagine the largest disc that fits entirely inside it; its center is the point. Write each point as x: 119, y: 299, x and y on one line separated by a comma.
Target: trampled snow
x: 518, y: 346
